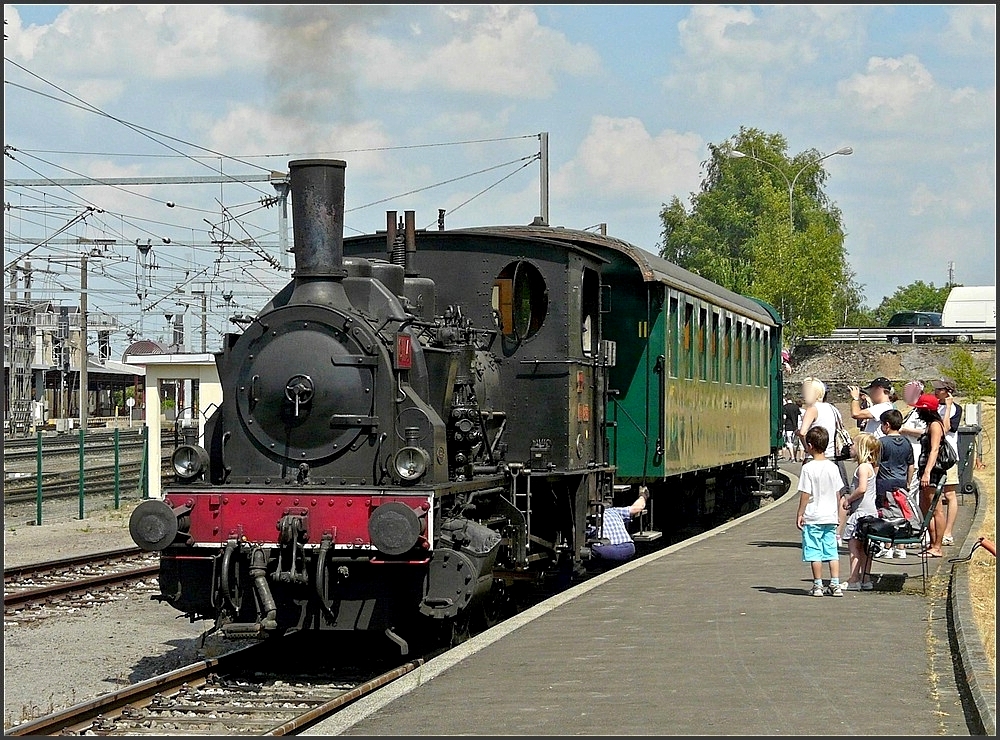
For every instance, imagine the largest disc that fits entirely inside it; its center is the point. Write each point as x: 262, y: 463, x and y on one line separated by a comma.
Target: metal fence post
x: 118, y: 483
x: 82, y: 435
x: 38, y: 480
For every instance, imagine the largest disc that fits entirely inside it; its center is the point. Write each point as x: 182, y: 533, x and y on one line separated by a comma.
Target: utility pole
x: 84, y: 395
x: 543, y: 163
x: 280, y: 182
x: 951, y: 273
x: 201, y: 290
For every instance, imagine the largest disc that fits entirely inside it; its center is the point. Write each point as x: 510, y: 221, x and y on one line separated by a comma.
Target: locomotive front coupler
x: 293, y: 528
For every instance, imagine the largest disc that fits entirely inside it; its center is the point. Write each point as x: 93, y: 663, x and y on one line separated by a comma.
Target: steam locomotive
x: 408, y: 434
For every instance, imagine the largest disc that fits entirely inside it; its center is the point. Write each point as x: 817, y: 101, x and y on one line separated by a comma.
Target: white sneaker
x: 885, y: 552
x: 899, y: 554
x: 816, y: 591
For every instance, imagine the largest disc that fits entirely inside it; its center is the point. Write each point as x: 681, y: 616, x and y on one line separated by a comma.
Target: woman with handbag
x: 820, y: 413
x: 934, y: 449
x: 950, y: 412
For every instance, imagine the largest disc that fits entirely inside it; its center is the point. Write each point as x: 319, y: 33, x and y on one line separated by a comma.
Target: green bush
x: 975, y: 380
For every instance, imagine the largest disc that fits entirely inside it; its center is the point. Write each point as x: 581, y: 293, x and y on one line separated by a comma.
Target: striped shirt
x: 615, y: 520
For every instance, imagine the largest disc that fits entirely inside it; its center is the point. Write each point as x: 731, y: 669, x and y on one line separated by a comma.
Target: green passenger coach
x: 698, y: 369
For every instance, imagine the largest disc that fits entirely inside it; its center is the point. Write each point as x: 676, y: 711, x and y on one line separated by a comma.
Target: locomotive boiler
x: 412, y: 429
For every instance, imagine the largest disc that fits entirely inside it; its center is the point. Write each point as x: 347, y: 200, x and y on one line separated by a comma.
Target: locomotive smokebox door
x: 305, y: 384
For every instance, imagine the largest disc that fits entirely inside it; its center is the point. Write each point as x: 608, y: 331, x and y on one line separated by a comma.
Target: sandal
x: 947, y: 540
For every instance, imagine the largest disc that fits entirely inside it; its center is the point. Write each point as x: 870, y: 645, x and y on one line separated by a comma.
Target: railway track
x: 227, y: 695
x: 32, y: 592
x: 22, y: 453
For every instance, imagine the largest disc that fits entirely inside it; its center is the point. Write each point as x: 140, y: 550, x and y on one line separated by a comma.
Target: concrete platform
x: 716, y: 635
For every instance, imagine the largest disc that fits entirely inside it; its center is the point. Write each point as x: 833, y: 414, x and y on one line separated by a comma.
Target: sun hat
x: 926, y: 401
x: 944, y: 383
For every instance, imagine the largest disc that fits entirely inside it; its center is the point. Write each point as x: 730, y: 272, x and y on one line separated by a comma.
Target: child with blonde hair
x: 858, y: 503
x: 818, y: 412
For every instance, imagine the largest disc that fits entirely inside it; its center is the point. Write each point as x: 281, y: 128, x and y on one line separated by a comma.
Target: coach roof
x: 651, y: 267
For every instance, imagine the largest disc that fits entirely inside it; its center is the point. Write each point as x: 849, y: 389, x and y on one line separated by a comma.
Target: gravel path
x: 65, y: 659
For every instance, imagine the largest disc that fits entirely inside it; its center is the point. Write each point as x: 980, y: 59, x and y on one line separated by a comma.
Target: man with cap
x: 951, y: 416
x: 878, y: 391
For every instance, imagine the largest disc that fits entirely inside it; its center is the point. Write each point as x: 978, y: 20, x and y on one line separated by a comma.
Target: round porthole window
x: 520, y: 300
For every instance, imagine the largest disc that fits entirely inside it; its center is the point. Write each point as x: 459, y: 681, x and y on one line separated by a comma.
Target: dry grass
x: 983, y: 567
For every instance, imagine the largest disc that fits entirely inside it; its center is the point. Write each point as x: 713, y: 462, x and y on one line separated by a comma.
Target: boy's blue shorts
x: 819, y: 542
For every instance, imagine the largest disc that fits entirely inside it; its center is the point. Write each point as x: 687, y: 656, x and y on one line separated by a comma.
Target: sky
x: 447, y: 107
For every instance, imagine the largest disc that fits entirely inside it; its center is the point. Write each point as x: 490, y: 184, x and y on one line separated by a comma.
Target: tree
x: 762, y: 226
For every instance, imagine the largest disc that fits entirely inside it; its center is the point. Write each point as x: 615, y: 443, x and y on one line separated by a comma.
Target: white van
x: 973, y: 308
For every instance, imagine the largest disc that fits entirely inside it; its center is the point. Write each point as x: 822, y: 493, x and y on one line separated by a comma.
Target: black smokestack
x: 317, y: 188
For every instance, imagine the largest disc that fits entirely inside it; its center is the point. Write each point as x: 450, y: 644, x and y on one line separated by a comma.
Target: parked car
x: 908, y: 320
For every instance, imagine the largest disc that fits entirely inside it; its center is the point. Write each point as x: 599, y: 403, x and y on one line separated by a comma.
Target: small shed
x: 182, y: 391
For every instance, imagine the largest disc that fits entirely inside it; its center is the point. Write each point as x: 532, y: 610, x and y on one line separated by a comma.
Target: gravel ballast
x: 64, y: 659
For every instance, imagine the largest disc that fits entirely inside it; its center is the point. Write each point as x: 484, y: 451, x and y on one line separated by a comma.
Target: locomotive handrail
x: 537, y: 361
x: 588, y: 363
x: 660, y: 369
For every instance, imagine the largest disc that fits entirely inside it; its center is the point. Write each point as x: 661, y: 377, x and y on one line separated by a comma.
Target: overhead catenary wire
x: 245, y: 260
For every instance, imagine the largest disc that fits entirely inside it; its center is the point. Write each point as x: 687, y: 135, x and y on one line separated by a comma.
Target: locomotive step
x: 649, y: 535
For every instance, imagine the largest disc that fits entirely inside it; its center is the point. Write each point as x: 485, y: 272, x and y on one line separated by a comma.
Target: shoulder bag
x: 946, y: 457
x: 843, y: 445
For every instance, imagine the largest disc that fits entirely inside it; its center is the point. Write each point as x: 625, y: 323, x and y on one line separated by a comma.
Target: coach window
x: 727, y: 350
x: 687, y: 338
x: 520, y: 300
x: 738, y: 353
x: 713, y: 347
x: 702, y: 344
x: 672, y: 339
x: 757, y: 357
x: 765, y: 352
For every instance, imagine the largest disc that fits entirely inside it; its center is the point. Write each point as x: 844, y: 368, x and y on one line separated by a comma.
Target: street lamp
x: 736, y: 154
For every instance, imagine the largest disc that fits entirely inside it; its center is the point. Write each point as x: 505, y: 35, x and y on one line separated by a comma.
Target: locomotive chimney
x: 410, y: 235
x: 390, y: 232
x: 317, y: 187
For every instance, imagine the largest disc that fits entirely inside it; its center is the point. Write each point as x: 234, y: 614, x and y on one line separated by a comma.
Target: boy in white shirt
x: 818, y: 514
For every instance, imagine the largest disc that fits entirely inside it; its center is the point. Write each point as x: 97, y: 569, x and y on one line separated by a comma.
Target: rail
x: 909, y: 335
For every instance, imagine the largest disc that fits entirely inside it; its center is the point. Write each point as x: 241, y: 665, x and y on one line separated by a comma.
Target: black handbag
x: 946, y: 457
